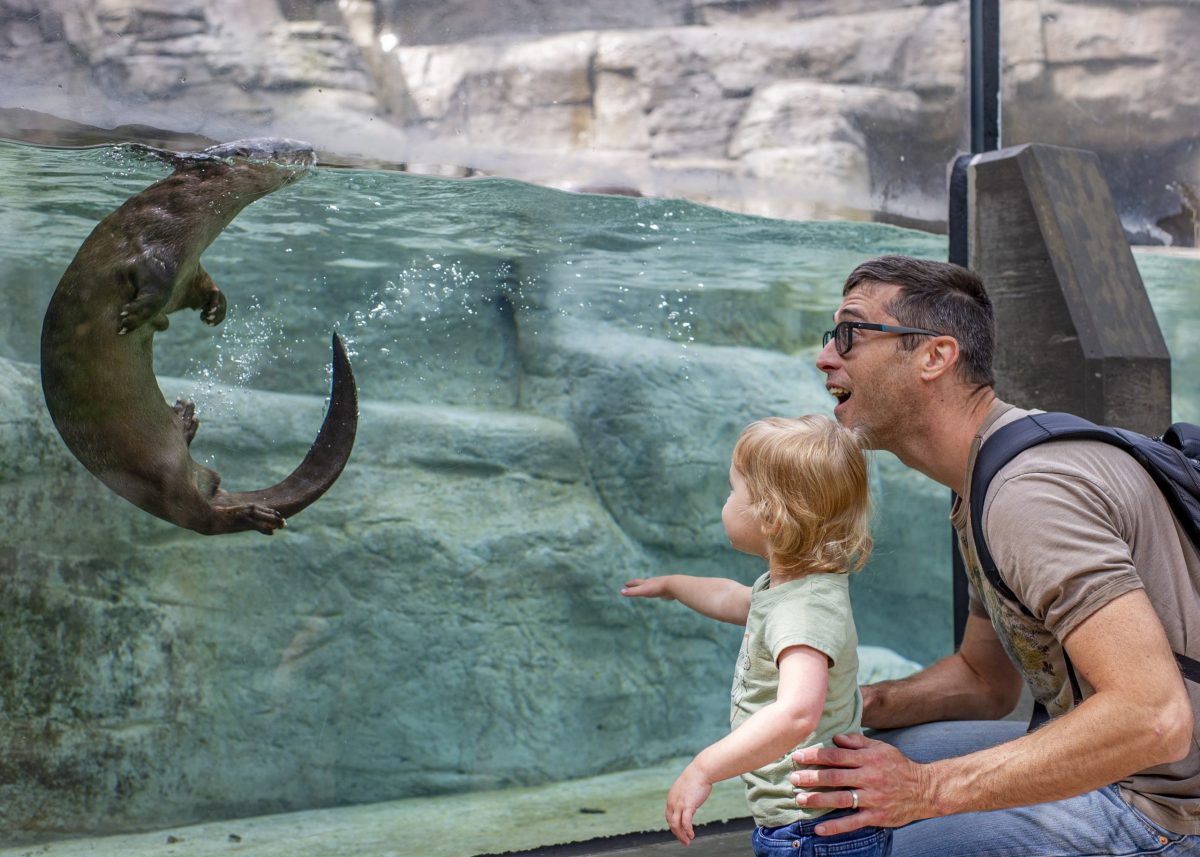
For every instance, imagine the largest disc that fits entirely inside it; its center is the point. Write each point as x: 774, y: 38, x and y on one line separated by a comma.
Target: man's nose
x: 828, y: 359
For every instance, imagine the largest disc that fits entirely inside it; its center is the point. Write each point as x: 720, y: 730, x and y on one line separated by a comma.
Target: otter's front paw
x: 151, y: 278
x: 186, y: 409
x: 144, y: 310
x: 214, y: 308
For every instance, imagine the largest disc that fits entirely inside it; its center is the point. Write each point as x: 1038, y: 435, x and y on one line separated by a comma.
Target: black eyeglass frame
x: 850, y: 326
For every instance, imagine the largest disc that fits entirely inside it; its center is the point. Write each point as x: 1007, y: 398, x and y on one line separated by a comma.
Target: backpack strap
x: 1001, y: 448
x: 1172, y: 463
x: 1184, y: 437
x: 1190, y: 667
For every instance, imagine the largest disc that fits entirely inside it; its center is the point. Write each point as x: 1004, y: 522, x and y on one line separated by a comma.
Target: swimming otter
x: 141, y: 263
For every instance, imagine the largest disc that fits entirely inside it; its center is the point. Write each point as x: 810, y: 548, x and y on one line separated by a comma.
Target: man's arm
x: 1138, y: 717
x: 978, y: 682
x: 715, y: 597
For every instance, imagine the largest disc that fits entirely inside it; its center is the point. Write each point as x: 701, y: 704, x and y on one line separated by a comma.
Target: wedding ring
x: 853, y: 799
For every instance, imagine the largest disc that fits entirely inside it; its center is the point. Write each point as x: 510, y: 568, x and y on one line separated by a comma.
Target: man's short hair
x: 937, y: 296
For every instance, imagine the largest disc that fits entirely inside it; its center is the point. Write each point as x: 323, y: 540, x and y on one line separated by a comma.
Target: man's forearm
x: 975, y: 683
x: 947, y: 690
x: 1101, y: 741
x: 1138, y: 717
x: 1098, y: 743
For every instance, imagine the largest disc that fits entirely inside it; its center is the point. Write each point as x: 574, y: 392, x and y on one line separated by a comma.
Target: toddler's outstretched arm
x: 771, y: 732
x: 715, y: 597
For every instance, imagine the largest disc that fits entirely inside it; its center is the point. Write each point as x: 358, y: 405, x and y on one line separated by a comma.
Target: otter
x: 141, y: 263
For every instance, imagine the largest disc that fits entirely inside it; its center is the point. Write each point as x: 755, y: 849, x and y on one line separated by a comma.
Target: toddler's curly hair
x: 807, y: 480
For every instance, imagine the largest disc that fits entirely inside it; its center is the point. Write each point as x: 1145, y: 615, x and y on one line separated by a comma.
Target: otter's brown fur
x: 140, y: 264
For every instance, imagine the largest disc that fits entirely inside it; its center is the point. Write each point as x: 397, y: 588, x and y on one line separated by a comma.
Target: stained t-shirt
x: 1073, y: 525
x: 814, y: 611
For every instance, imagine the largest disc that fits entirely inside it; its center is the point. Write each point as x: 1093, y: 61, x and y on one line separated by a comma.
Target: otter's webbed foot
x: 186, y: 409
x: 254, y: 517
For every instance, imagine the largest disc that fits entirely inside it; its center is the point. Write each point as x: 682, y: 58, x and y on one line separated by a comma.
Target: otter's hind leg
x: 250, y: 516
x: 235, y: 517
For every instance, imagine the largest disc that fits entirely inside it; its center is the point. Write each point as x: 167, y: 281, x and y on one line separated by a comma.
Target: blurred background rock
x: 787, y: 108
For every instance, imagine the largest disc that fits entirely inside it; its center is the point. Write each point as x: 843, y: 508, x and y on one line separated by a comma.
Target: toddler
x: 798, y: 498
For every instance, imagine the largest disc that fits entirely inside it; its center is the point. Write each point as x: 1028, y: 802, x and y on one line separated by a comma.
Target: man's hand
x: 651, y: 587
x: 891, y: 789
x: 689, y: 792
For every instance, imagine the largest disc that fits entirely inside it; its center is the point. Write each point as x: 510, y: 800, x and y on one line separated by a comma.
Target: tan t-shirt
x: 1072, y: 525
x: 813, y: 610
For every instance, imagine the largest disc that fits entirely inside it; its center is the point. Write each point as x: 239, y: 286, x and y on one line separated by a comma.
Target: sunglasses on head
x: 843, y: 333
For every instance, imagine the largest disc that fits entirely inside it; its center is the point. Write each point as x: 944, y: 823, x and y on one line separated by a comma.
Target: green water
x: 379, y: 253
x: 551, y: 384
x: 422, y: 277
x: 364, y: 250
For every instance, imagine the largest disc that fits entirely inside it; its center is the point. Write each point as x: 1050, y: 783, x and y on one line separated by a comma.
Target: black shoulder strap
x: 1001, y: 448
x: 1170, y: 461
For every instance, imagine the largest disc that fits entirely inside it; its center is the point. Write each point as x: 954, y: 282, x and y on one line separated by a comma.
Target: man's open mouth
x: 839, y: 393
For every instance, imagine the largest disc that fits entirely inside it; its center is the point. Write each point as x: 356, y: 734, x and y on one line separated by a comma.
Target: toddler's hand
x: 653, y: 587
x: 685, y: 797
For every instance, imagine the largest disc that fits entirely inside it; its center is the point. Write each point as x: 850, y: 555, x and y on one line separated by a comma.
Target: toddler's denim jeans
x: 798, y: 840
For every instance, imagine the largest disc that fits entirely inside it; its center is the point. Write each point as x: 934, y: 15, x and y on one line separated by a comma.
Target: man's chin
x: 845, y: 417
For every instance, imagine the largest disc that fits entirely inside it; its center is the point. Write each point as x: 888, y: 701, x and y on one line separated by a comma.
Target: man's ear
x: 940, y: 356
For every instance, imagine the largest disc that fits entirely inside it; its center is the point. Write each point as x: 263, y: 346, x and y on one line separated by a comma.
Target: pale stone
x: 420, y: 22
x: 619, y: 107
x: 671, y: 83
x: 766, y: 12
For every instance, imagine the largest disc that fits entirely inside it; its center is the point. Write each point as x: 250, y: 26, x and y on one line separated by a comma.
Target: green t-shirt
x: 811, y: 611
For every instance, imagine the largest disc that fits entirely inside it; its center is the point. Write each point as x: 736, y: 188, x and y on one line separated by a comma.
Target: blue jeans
x: 1092, y: 824
x: 798, y: 840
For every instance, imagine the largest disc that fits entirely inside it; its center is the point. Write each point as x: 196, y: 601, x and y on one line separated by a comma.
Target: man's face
x: 873, y: 380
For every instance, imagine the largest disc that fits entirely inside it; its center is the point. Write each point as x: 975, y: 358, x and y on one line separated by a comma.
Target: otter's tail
x: 326, y: 457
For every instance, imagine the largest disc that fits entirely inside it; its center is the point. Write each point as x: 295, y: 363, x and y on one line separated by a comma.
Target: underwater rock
x: 468, y: 556
x: 542, y: 424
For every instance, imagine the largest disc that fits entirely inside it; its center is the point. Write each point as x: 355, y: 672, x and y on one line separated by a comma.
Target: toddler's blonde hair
x: 807, y: 481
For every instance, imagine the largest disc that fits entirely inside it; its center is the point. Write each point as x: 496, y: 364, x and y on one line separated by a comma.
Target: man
x: 1086, y: 542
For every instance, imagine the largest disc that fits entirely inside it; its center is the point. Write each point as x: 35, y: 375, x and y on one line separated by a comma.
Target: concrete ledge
x: 457, y: 825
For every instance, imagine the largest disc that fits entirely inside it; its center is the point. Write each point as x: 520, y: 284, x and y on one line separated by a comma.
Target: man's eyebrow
x: 851, y: 311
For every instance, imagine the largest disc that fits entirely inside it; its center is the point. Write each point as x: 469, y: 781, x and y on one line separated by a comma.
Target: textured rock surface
x: 440, y: 621
x: 448, y: 611
x: 551, y: 386
x: 779, y: 107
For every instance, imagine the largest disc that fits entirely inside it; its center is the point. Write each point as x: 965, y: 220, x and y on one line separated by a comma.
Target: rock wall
x: 777, y: 107
x: 515, y: 460
x: 538, y: 425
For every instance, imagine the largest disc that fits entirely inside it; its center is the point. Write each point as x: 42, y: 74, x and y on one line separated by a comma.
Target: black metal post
x: 984, y: 62
x: 985, y: 76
